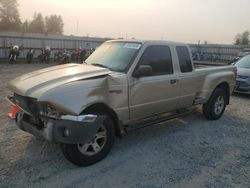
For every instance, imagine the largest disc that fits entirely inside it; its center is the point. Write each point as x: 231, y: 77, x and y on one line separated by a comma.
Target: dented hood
x: 38, y: 82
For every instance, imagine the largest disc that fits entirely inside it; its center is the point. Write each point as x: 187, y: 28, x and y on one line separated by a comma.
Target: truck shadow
x: 242, y: 95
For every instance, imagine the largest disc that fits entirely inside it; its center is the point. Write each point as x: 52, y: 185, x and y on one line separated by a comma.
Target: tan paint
x: 71, y: 88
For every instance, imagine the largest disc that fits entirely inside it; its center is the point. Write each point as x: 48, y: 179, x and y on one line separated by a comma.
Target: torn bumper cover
x: 68, y: 129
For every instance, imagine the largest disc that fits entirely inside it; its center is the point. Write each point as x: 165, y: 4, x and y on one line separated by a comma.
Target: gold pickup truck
x: 124, y: 84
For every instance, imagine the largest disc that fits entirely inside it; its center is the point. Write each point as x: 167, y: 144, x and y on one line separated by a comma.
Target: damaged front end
x: 43, y: 120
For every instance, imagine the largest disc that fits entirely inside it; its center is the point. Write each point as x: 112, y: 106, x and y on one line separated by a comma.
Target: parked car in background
x: 243, y: 75
x: 244, y: 52
x: 241, y: 54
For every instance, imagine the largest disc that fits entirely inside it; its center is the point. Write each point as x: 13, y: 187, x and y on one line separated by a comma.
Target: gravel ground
x: 186, y: 152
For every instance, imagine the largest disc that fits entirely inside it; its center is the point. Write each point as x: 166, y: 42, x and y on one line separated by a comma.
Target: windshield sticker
x: 132, y: 45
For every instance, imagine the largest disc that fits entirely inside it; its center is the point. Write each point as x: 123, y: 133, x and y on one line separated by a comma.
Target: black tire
x: 73, y: 154
x: 209, y: 110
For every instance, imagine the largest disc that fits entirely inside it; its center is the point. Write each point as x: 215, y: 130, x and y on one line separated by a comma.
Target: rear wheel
x: 216, y: 105
x: 85, y: 154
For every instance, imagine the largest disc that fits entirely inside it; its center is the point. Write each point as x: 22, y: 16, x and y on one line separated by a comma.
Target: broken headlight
x: 49, y: 110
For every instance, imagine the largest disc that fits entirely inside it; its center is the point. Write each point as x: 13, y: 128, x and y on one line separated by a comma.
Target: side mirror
x: 143, y: 70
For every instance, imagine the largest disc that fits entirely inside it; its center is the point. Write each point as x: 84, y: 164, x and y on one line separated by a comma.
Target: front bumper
x: 242, y: 87
x: 61, y: 130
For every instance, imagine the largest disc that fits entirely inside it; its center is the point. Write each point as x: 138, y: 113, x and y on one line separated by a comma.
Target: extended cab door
x: 189, y: 82
x: 154, y: 93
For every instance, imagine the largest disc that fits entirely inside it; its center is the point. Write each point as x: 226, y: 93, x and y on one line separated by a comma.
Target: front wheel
x: 216, y: 105
x: 95, y: 150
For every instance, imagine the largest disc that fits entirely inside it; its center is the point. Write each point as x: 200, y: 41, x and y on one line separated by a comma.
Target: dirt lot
x: 186, y: 152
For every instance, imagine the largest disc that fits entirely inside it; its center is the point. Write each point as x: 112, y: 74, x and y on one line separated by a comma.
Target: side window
x: 184, y: 59
x: 159, y: 58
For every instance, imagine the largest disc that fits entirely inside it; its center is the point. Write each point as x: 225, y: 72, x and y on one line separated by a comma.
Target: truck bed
x: 206, y: 64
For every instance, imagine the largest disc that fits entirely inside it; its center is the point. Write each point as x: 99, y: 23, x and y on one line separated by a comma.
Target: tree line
x: 242, y: 38
x: 10, y: 20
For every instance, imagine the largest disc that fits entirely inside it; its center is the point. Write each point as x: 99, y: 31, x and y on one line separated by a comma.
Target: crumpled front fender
x: 72, y: 98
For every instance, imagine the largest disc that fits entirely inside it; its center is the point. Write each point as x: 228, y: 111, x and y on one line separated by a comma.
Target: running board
x: 149, y: 122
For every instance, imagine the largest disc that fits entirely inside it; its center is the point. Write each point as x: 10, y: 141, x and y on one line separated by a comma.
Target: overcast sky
x: 216, y: 21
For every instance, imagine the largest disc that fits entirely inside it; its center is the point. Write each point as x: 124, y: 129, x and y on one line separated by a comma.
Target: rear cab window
x: 184, y: 59
x: 159, y: 58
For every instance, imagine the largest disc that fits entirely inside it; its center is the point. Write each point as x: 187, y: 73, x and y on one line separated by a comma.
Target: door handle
x: 174, y: 81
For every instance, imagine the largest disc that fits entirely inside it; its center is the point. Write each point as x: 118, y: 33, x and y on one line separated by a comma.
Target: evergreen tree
x: 54, y: 24
x: 9, y: 16
x: 245, y: 38
x: 237, y: 40
x: 37, y: 24
x: 25, y: 26
x: 242, y: 39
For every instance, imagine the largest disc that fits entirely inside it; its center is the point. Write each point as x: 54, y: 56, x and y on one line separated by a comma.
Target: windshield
x: 244, y: 62
x: 115, y: 56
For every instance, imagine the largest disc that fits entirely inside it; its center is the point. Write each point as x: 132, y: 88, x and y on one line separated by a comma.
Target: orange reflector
x: 14, y: 110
